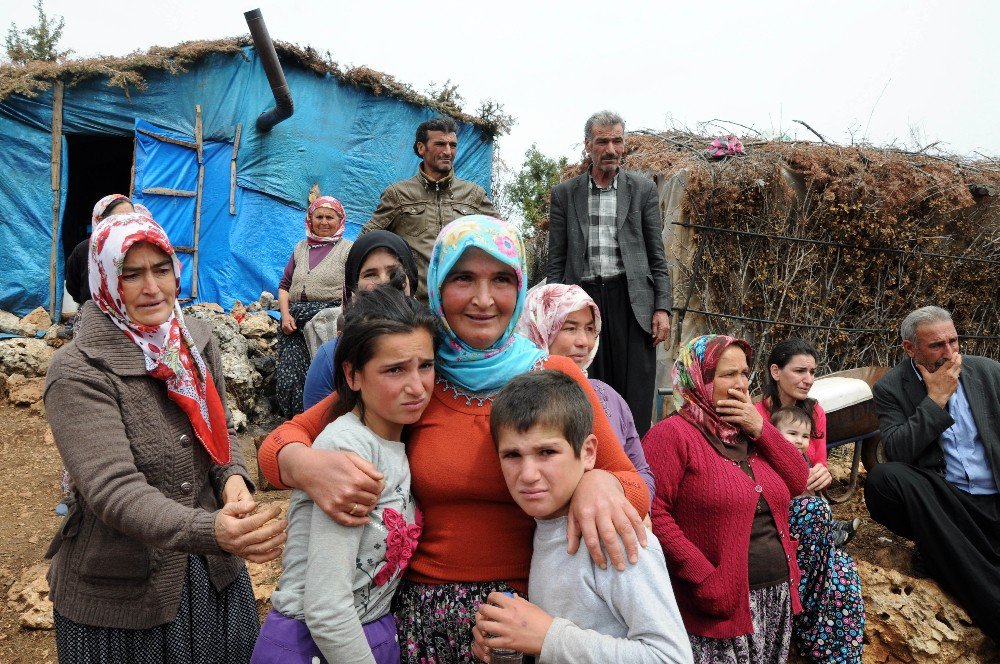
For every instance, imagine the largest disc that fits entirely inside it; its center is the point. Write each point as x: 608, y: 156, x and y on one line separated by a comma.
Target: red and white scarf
x: 546, y: 310
x: 169, y: 350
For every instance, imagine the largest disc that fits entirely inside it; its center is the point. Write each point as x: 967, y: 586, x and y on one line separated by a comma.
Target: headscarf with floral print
x: 546, y: 310
x: 168, y: 349
x: 694, y: 378
x: 333, y: 204
x: 476, y: 370
x: 101, y: 208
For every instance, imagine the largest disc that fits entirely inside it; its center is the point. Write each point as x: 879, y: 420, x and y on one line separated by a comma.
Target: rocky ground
x: 909, y: 619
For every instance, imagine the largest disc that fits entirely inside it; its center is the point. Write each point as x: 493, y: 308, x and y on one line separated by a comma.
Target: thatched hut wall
x: 833, y: 244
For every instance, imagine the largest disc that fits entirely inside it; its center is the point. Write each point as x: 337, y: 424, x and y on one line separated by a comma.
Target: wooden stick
x: 163, y: 191
x: 197, y: 200
x: 232, y: 170
x: 812, y: 130
x: 57, y: 119
x: 168, y: 139
x: 131, y: 177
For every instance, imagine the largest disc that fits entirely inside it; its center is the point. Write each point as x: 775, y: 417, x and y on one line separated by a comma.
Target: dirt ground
x: 29, y: 491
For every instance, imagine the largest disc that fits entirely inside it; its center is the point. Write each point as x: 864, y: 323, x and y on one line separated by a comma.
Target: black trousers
x: 957, y: 534
x: 626, y: 358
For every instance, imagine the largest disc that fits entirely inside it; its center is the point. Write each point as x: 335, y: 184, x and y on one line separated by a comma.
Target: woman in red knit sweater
x: 724, y: 478
x: 475, y: 538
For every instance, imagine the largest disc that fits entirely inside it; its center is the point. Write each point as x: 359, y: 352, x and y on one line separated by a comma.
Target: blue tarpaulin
x: 347, y: 140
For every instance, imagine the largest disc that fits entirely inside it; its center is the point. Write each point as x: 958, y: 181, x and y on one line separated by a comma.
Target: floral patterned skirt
x: 435, y: 621
x: 831, y: 625
x: 771, y: 612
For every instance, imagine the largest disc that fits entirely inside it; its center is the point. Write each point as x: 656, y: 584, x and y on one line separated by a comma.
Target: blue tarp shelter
x: 231, y: 199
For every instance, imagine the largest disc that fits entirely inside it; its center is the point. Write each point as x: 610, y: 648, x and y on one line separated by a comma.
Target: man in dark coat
x: 605, y: 235
x: 939, y: 413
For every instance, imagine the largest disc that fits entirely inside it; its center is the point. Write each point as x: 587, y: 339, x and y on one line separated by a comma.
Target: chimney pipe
x: 275, y: 76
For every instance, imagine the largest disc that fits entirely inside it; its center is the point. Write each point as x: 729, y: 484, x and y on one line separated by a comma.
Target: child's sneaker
x: 844, y: 531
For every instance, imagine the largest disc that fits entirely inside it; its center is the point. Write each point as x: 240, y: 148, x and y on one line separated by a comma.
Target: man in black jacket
x: 605, y: 234
x: 939, y: 413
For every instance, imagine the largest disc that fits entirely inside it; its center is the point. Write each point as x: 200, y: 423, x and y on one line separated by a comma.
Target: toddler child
x: 830, y: 627
x: 796, y: 426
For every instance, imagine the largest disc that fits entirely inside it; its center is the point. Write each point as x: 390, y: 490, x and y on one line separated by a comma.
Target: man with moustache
x: 605, y: 235
x: 939, y: 413
x: 417, y: 209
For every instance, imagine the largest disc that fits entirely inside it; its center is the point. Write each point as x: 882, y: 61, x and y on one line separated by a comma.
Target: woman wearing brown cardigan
x: 143, y: 567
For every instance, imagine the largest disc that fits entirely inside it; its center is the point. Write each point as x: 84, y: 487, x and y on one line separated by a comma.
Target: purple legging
x: 285, y: 640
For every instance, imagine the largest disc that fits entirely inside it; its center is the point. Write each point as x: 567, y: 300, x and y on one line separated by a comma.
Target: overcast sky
x: 913, y: 72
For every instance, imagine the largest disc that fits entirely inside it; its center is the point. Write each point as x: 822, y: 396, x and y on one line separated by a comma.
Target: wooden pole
x: 57, y: 113
x: 131, y: 177
x: 197, y: 199
x: 232, y: 170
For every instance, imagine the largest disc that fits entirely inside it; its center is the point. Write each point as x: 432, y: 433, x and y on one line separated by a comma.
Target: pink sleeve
x: 817, y: 447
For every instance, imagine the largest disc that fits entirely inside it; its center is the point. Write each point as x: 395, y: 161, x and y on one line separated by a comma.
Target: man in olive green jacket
x: 418, y: 208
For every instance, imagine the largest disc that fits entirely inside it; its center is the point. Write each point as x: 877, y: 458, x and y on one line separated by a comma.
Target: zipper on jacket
x: 437, y: 198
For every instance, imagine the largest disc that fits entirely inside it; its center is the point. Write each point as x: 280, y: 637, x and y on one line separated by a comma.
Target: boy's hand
x: 509, y: 622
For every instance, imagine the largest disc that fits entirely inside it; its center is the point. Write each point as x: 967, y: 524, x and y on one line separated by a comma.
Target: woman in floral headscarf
x: 724, y: 479
x: 313, y: 280
x: 566, y: 321
x: 475, y: 538
x: 142, y: 568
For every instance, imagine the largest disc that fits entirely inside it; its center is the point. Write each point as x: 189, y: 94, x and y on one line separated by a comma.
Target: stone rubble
x: 29, y: 597
x: 247, y: 338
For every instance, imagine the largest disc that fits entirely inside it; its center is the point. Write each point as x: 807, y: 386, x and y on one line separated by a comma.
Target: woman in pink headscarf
x: 564, y: 320
x: 313, y: 280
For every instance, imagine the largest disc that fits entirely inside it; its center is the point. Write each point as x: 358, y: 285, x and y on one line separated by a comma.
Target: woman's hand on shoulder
x: 342, y: 484
x: 600, y: 512
x: 740, y: 411
x: 255, y: 537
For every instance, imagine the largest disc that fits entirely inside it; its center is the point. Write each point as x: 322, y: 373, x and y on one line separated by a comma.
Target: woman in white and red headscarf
x: 143, y: 566
x: 313, y: 280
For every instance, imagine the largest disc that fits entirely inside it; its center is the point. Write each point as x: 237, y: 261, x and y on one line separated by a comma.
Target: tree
x: 530, y: 192
x: 39, y: 42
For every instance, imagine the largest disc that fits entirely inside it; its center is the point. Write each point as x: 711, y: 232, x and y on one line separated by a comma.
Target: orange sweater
x: 473, y: 529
